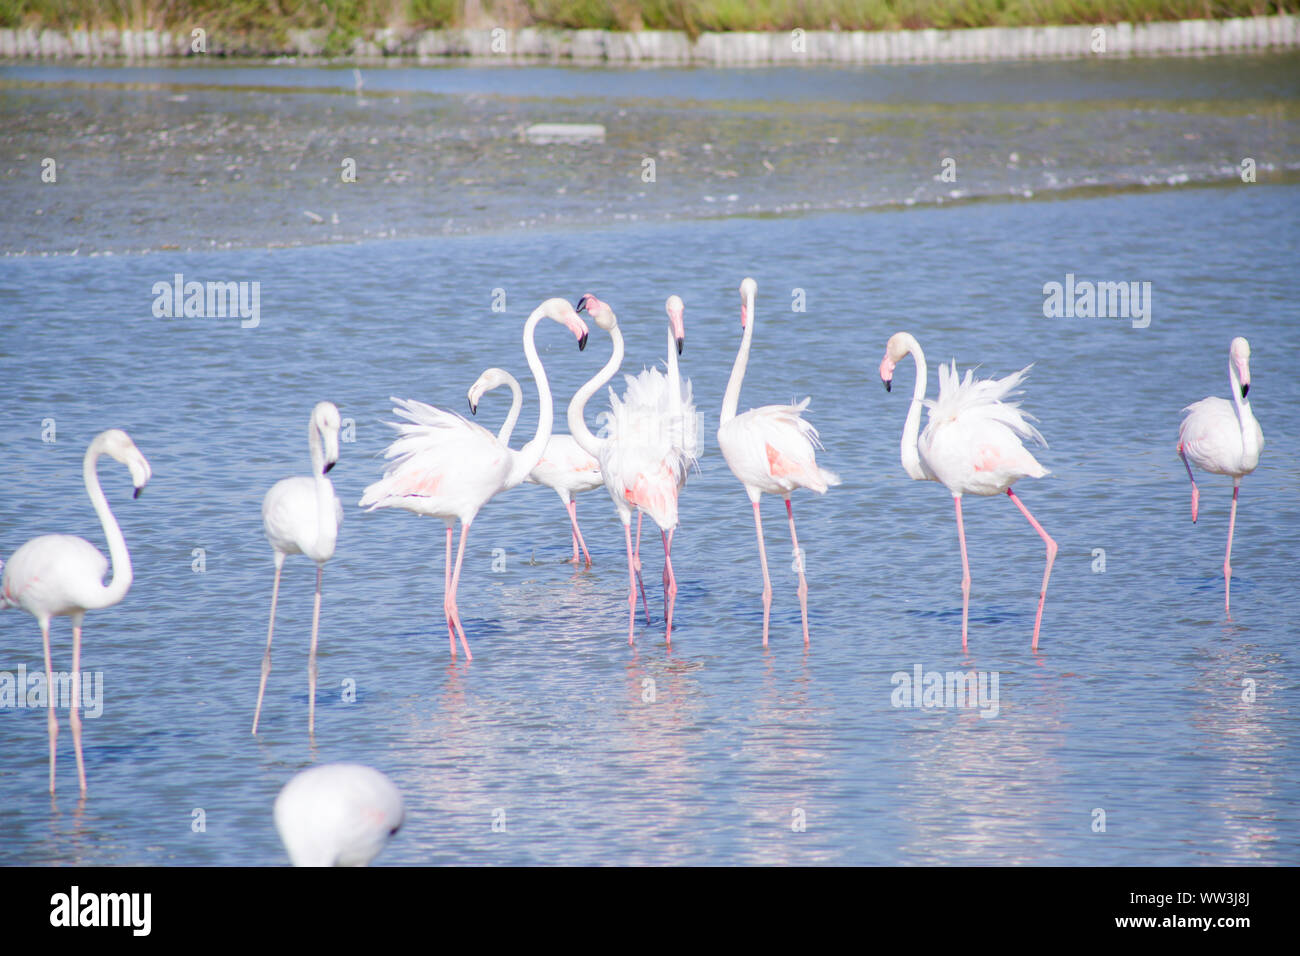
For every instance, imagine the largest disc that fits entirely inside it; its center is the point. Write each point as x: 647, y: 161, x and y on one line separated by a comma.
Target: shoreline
x: 672, y: 48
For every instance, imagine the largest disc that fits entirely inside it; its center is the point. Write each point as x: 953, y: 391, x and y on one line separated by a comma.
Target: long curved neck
x: 1246, y: 419
x: 526, y: 459
x: 577, y: 423
x: 516, y: 403
x: 122, y: 576
x: 912, y: 427
x: 326, y: 524
x: 732, y: 397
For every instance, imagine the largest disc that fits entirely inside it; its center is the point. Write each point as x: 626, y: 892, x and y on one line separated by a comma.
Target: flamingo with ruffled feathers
x: 302, y: 515
x: 564, y: 467
x: 61, y: 574
x: 444, y: 465
x: 972, y: 444
x: 639, y: 451
x: 1223, y: 438
x: 771, y: 450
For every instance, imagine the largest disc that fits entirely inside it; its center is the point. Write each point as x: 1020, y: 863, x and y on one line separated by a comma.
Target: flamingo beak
x: 1245, y: 388
x: 473, y: 408
x: 580, y: 305
x: 582, y: 341
x: 887, y: 372
x: 328, y: 466
x: 137, y: 493
x: 680, y: 341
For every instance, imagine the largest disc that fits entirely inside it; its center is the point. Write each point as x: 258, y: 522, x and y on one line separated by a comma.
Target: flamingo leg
x: 270, y: 632
x: 573, y: 529
x: 74, y: 717
x: 51, y: 721
x: 577, y: 533
x: 1227, y: 557
x: 965, y: 572
x: 767, y: 581
x: 311, y: 658
x: 636, y: 557
x: 803, y: 582
x: 454, y: 610
x: 1196, y: 493
x: 632, y: 580
x: 670, y: 583
x: 1051, y: 556
x: 446, y: 596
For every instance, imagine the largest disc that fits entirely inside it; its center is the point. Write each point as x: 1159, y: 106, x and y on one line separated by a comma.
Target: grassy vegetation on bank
x: 265, y: 24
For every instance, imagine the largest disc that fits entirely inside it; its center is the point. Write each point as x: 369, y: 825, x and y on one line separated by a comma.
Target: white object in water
x: 567, y: 133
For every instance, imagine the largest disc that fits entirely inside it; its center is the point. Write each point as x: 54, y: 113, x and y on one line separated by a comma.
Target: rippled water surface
x: 1135, y: 703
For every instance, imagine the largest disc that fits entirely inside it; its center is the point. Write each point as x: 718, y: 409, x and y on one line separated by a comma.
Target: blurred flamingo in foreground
x: 62, y: 574
x: 771, y: 449
x: 564, y: 467
x: 971, y: 445
x: 446, y: 466
x: 338, y: 814
x: 1223, y: 438
x: 301, y: 515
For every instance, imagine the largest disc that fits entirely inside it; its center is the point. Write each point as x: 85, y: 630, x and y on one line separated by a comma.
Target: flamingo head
x: 600, y: 312
x: 325, y: 420
x: 897, y: 347
x: 489, y: 380
x: 748, y: 289
x: 1239, y: 356
x: 560, y: 311
x: 118, y: 445
x: 675, y: 321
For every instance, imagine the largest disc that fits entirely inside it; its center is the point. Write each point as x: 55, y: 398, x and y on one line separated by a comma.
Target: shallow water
x: 1133, y: 704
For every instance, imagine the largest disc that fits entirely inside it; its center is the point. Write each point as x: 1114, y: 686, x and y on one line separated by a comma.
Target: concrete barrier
x: 715, y: 49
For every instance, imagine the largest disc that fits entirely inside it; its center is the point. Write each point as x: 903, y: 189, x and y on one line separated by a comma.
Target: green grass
x: 265, y: 24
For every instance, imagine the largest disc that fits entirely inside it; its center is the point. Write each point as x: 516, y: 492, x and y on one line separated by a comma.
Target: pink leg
x: 670, y: 583
x: 74, y: 717
x: 577, y: 533
x: 454, y: 610
x: 270, y: 632
x: 632, y: 579
x: 767, y: 581
x: 446, y: 596
x: 965, y: 573
x: 51, y: 722
x: 803, y: 582
x: 636, y: 558
x: 311, y: 658
x: 1047, y: 571
x: 1227, y: 557
x: 1196, y: 494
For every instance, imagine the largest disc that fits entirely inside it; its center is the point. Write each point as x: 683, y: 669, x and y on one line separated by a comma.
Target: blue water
x: 1133, y: 704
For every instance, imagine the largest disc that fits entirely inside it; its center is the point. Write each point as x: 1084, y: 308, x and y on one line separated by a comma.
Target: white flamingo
x: 59, y: 574
x: 564, y: 467
x: 338, y: 814
x: 1223, y: 438
x: 446, y: 466
x: 773, y: 450
x: 641, y: 467
x: 971, y: 445
x: 302, y: 515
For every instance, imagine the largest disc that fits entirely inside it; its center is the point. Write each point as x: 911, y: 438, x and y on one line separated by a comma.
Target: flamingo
x: 446, y: 466
x: 640, y: 459
x: 1223, y: 438
x: 564, y: 467
x: 62, y: 574
x: 662, y: 406
x: 771, y: 449
x: 301, y: 515
x: 971, y: 445
x: 338, y: 814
